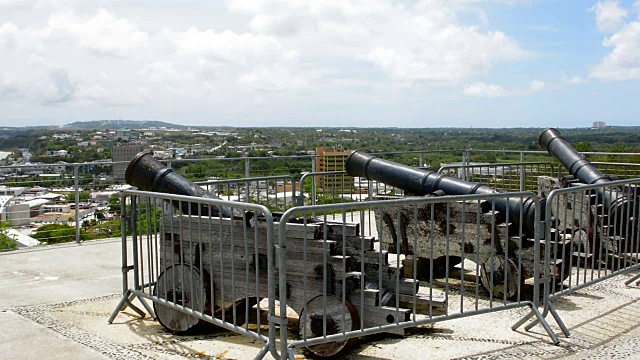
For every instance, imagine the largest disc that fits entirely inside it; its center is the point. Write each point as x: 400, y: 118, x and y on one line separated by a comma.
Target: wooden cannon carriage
x: 224, y: 253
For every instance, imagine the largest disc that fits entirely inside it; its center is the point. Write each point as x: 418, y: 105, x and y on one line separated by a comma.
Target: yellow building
x: 331, y: 159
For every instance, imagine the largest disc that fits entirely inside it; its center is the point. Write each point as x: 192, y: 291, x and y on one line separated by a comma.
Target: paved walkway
x: 56, y: 300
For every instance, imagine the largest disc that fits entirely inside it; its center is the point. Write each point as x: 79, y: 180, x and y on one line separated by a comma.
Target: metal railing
x: 76, y: 177
x: 420, y: 260
x: 358, y: 286
x: 515, y: 176
x: 619, y: 170
x: 196, y: 268
x: 593, y: 230
x: 278, y: 193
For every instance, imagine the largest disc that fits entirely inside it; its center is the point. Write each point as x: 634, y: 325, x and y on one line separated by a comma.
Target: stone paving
x: 55, y: 303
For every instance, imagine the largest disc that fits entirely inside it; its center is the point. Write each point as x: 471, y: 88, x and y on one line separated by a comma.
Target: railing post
x: 523, y: 174
x: 247, y: 167
x: 465, y: 161
x: 421, y: 161
x: 77, y: 200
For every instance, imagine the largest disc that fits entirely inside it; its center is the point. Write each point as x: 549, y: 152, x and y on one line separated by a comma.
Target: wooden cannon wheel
x: 338, y: 318
x: 500, y: 265
x: 182, y: 285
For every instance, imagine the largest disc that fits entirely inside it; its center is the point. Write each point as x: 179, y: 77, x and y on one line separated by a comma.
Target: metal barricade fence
x: 595, y: 229
x: 337, y: 187
x: 428, y: 259
x: 197, y: 267
x: 515, y: 176
x: 620, y: 170
x: 278, y: 193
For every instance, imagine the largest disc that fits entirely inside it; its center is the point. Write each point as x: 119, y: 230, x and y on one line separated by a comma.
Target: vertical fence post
x: 421, y: 161
x: 247, y: 167
x: 523, y: 174
x: 465, y: 161
x: 77, y: 201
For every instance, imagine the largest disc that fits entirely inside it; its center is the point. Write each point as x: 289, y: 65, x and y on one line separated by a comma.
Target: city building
x: 332, y: 159
x: 599, y: 124
x: 11, y: 190
x: 5, y: 156
x: 122, y: 153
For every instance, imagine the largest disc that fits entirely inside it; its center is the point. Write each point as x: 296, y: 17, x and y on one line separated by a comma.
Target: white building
x: 12, y: 191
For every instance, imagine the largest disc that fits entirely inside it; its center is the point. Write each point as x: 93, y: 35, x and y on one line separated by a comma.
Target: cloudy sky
x: 431, y: 63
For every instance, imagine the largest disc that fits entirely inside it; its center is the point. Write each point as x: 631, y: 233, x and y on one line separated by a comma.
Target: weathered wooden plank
x: 206, y: 224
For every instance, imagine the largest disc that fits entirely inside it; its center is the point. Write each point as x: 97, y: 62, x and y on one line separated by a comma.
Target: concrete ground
x: 55, y: 302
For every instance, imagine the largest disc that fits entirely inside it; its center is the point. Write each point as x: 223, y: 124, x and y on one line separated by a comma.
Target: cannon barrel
x: 578, y: 166
x: 148, y: 174
x: 423, y: 182
x: 613, y: 198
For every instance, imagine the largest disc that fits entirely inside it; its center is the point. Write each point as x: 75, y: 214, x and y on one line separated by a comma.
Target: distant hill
x: 117, y: 124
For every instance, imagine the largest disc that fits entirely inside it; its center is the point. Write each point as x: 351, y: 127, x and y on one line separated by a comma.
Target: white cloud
x: 623, y: 62
x: 573, y: 80
x: 610, y: 16
x: 226, y: 46
x: 7, y: 88
x: 61, y: 88
x: 280, y: 25
x: 347, y: 51
x: 408, y: 41
x: 8, y: 34
x: 481, y: 89
x: 102, y: 33
x: 536, y: 85
x: 277, y: 78
x: 5, y: 4
x: 98, y: 94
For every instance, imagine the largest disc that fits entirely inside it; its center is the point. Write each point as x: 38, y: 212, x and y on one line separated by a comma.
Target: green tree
x: 6, y: 243
x: 114, y: 204
x: 57, y: 233
x: 583, y: 146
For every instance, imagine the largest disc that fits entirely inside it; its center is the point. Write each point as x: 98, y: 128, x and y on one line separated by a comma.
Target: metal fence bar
x: 179, y: 256
x: 500, y: 175
x: 599, y: 238
x: 225, y: 188
x: 328, y: 299
x: 82, y: 179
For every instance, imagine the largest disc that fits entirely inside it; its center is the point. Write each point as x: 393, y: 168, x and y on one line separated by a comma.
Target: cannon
x: 423, y: 182
x: 148, y: 174
x: 501, y: 246
x: 216, y: 264
x: 613, y: 198
x: 612, y: 210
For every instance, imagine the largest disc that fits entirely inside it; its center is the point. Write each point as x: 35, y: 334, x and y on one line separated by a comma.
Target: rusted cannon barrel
x: 423, y: 182
x: 148, y: 174
x: 614, y: 199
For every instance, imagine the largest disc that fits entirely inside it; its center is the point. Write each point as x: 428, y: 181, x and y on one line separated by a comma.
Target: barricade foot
x: 522, y: 321
x: 539, y: 318
x: 545, y: 325
x: 635, y: 278
x: 559, y: 321
x: 148, y: 308
x: 263, y: 352
x: 126, y: 302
